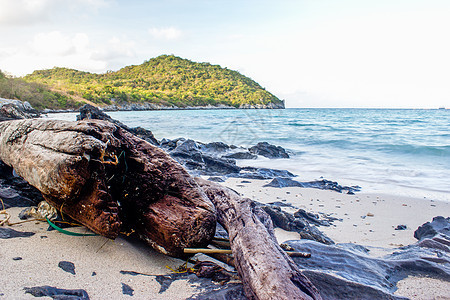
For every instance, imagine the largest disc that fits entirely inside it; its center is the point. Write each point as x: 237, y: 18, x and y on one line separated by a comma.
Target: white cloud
x: 78, y: 51
x: 115, y: 48
x: 167, y: 33
x: 27, y: 12
x: 53, y: 43
x: 15, y: 12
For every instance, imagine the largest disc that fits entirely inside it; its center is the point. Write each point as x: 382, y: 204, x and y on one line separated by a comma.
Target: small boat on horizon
x: 442, y: 107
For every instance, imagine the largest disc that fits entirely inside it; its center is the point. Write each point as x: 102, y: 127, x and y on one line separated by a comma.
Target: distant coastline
x: 151, y: 106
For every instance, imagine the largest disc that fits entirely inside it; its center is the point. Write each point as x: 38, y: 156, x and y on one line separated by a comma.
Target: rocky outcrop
x: 15, y: 109
x: 438, y: 226
x: 57, y: 293
x: 88, y: 112
x: 216, y: 159
x: 347, y: 271
x: 15, y: 191
x: 267, y: 150
x: 271, y: 105
x: 241, y: 155
x: 299, y: 222
x: 154, y: 106
x: 189, y: 154
x: 323, y: 184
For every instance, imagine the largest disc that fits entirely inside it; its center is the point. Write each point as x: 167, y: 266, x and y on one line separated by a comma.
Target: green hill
x: 38, y: 95
x: 166, y: 80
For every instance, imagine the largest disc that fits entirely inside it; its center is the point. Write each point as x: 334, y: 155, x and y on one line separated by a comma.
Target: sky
x: 311, y: 53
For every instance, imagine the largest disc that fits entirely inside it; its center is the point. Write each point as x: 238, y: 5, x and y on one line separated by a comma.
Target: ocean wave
x: 435, y: 151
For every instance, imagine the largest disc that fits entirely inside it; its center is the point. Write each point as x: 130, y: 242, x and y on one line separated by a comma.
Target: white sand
x: 423, y: 288
x: 42, y: 252
x: 357, y: 225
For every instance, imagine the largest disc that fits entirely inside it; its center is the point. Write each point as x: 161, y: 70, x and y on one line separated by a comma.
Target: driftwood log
x: 110, y: 181
x: 266, y: 270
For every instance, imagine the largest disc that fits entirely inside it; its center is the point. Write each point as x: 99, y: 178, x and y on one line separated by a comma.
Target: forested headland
x: 164, y: 81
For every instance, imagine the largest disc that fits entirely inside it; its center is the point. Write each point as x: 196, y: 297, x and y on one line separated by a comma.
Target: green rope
x: 69, y: 232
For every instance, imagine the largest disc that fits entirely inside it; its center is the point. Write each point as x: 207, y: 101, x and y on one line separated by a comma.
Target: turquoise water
x: 405, y: 152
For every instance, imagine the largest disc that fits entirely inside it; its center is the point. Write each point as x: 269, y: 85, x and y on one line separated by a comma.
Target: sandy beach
x: 366, y: 219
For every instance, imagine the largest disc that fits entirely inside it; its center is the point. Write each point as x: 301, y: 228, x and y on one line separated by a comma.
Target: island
x: 164, y: 82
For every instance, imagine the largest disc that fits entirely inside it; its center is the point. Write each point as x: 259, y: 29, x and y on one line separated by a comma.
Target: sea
x: 404, y: 152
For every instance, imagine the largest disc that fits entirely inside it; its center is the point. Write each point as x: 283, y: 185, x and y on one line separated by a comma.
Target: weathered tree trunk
x: 110, y: 180
x: 265, y: 269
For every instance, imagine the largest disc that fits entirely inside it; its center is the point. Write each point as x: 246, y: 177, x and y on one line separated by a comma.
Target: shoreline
x: 163, y: 108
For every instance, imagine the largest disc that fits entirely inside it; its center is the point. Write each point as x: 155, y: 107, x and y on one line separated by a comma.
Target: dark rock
x: 217, y: 147
x: 17, y: 258
x: 216, y: 179
x: 231, y: 291
x: 400, y: 227
x: 187, y: 147
x: 94, y: 274
x: 25, y: 213
x: 323, y: 184
x: 132, y: 273
x: 346, y: 271
x: 127, y: 290
x: 241, y: 155
x: 145, y: 135
x: 55, y: 293
x: 332, y: 287
x: 202, y: 159
x: 312, y: 218
x: 88, y: 112
x: 281, y: 182
x: 209, y: 289
x: 170, y: 145
x: 267, y: 150
x: 220, y: 165
x: 438, y: 243
x: 67, y: 266
x: 188, y: 153
x: 16, y: 192
x: 281, y: 204
x: 261, y: 173
x: 289, y: 222
x: 439, y: 225
x: 9, y: 233
x: 16, y: 109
